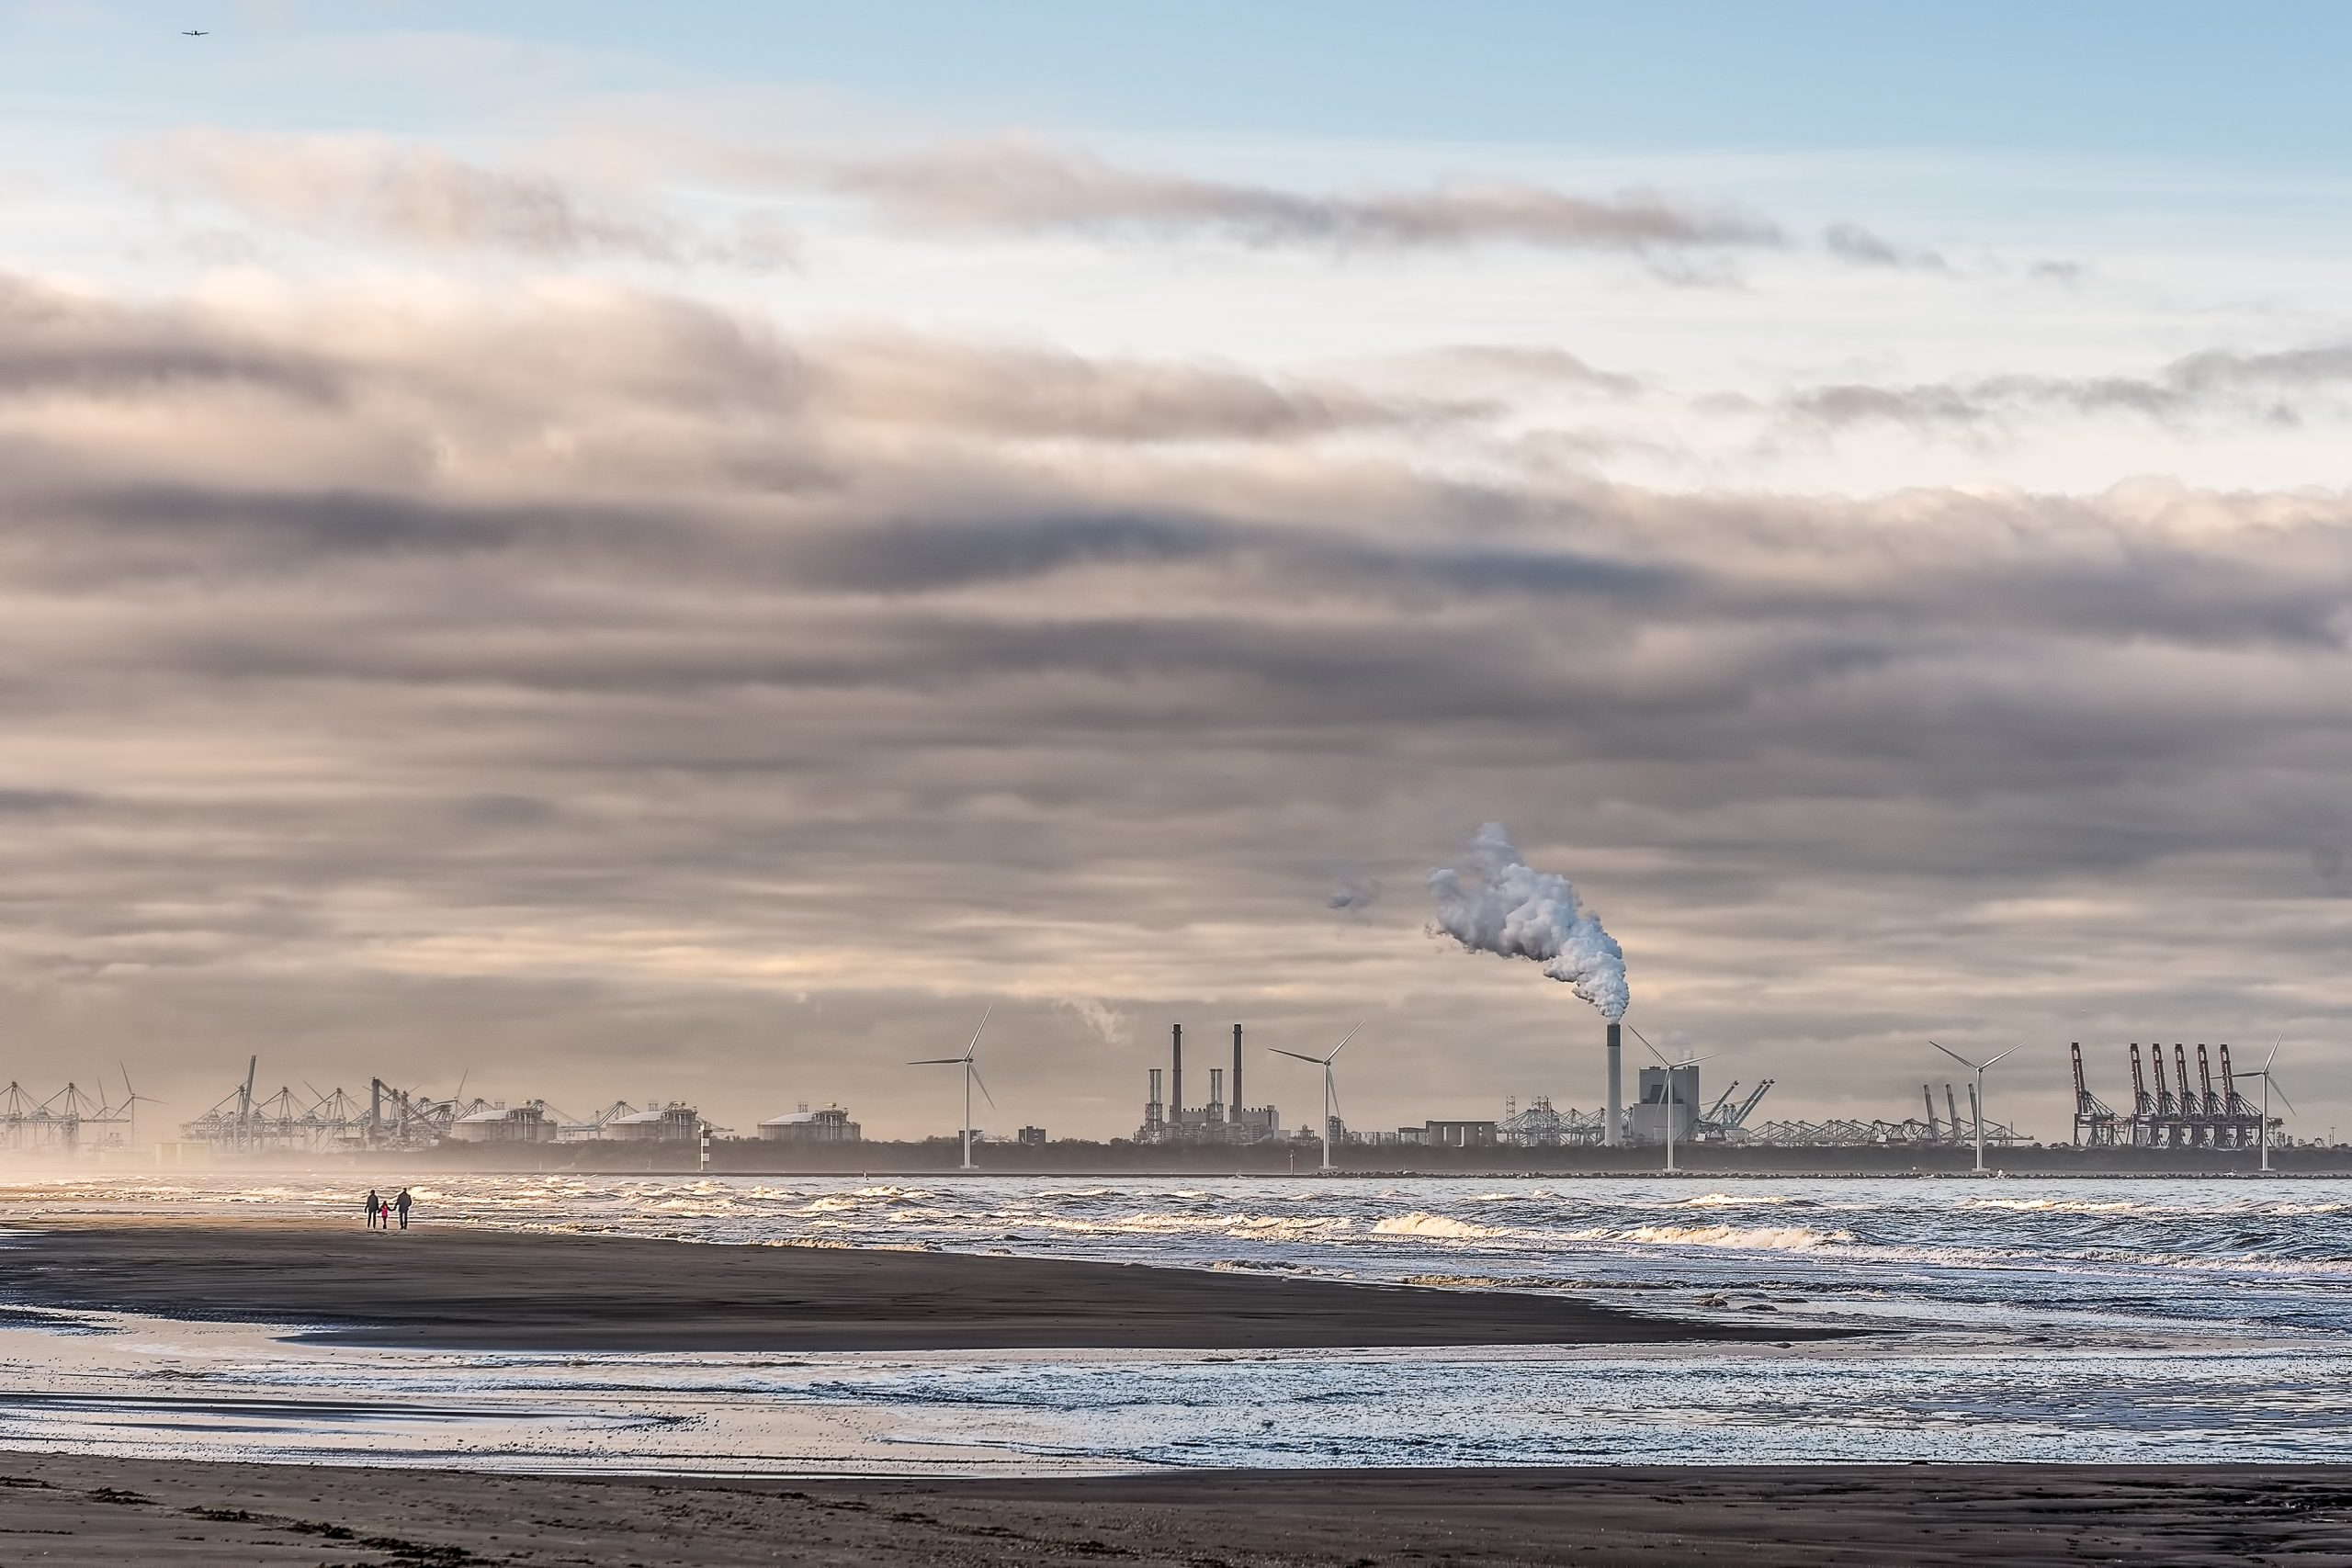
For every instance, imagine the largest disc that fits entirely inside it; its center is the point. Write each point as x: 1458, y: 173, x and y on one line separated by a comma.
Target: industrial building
x: 1215, y: 1122
x: 1665, y: 1105
x: 527, y: 1123
x: 830, y: 1125
x: 676, y: 1123
x: 1542, y: 1126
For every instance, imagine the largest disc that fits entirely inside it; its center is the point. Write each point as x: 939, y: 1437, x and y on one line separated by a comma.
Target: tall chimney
x: 1215, y: 1111
x: 1237, y: 1066
x: 1176, y: 1081
x: 1612, y: 1136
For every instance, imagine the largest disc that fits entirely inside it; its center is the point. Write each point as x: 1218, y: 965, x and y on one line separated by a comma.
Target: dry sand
x: 58, y: 1510
x: 492, y: 1290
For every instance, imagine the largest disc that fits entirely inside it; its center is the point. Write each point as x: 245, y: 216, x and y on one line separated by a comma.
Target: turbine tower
x: 1977, y: 1104
x: 1687, y: 1061
x: 971, y: 1075
x: 1330, y: 1088
x: 2262, y: 1072
x: 133, y: 1100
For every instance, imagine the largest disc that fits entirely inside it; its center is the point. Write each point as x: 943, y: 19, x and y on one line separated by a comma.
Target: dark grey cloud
x: 622, y: 694
x: 1025, y: 187
x: 1852, y: 242
x: 52, y: 343
x: 2274, y: 386
x: 1536, y: 366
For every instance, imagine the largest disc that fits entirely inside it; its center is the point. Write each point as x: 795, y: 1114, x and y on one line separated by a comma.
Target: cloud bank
x: 599, y: 669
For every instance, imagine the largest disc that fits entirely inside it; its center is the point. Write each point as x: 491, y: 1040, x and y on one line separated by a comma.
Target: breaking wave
x: 1436, y: 1225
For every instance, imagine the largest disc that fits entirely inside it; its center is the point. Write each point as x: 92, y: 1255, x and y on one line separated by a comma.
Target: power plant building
x: 671, y: 1123
x: 830, y: 1125
x: 1668, y: 1097
x: 498, y: 1125
x: 1215, y: 1122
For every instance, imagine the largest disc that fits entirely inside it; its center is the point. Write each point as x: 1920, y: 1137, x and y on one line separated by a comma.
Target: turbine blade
x: 976, y: 1033
x: 984, y: 1087
x: 1333, y: 1084
x: 2281, y: 1094
x: 2272, y: 1058
x: 1954, y: 1055
x: 1295, y: 1055
x: 2010, y: 1052
x: 1342, y: 1046
x: 940, y: 1062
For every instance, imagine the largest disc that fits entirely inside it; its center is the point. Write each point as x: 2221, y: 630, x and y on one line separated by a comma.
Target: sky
x: 684, y: 554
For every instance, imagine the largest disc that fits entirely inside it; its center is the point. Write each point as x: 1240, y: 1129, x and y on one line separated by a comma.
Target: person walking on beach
x: 374, y: 1202
x: 401, y: 1203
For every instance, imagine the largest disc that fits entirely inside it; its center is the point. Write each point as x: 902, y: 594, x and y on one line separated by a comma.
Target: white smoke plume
x: 1507, y: 907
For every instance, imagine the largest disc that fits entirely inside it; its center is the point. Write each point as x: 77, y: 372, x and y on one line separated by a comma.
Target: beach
x: 492, y: 1393
x: 66, y: 1510
x: 467, y: 1289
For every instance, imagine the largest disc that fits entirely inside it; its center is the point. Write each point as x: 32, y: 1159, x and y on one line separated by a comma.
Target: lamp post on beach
x: 1330, y: 1088
x: 971, y: 1075
x: 1978, y: 1068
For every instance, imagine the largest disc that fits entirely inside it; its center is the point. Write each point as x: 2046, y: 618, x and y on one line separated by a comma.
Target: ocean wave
x: 1435, y: 1226
x: 1732, y: 1200
x: 1762, y: 1239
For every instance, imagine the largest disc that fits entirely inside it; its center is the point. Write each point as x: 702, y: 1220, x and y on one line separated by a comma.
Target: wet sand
x: 491, y: 1290
x: 66, y: 1510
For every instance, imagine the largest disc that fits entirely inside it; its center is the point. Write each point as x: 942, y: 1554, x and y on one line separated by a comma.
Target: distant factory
x: 1666, y: 1096
x: 830, y: 1125
x: 1214, y: 1120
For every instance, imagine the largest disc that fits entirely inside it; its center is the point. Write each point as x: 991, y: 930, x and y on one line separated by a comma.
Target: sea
x: 2020, y: 1319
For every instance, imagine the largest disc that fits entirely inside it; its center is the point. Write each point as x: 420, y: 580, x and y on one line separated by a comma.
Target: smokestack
x: 1151, y: 1107
x: 1176, y: 1081
x: 1215, y: 1111
x: 1611, y: 1135
x: 1237, y: 1066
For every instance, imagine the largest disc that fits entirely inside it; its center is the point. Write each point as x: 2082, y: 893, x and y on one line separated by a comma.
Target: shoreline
x: 2333, y: 1164
x: 461, y: 1288
x: 70, y: 1510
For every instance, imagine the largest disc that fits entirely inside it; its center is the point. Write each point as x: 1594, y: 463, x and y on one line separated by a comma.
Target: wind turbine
x: 1330, y: 1088
x: 971, y: 1075
x: 2262, y: 1072
x: 1978, y: 1068
x: 133, y: 1103
x: 1669, y: 1066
